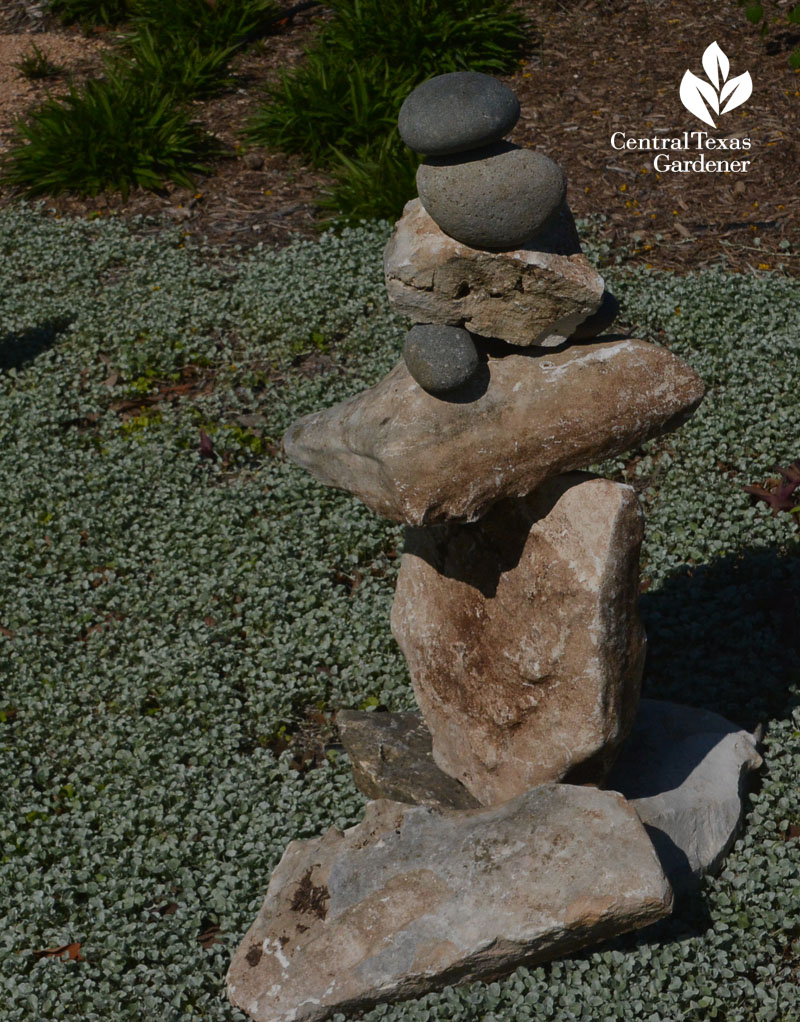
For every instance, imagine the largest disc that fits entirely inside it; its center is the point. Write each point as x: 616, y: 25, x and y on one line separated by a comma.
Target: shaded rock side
x: 523, y: 418
x: 391, y: 756
x: 686, y: 773
x: 535, y: 295
x: 413, y: 899
x: 598, y: 322
x: 523, y: 638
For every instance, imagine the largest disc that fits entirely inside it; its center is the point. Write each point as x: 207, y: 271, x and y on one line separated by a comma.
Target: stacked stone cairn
x: 511, y: 820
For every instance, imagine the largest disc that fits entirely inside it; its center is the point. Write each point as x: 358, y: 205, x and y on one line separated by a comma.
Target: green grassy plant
x: 186, y: 46
x: 339, y: 108
x: 130, y: 129
x: 328, y: 105
x: 113, y: 135
x: 36, y: 65
x: 210, y: 26
x: 179, y: 67
x: 373, y: 184
x: 429, y: 36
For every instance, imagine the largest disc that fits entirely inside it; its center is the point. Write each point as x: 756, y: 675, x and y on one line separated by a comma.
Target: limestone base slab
x: 414, y: 899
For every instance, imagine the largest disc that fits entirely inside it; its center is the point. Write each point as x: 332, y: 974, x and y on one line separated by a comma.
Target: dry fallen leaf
x: 67, y: 953
x: 209, y: 934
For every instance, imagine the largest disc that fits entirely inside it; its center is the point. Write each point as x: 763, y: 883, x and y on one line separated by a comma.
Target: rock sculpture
x: 516, y: 604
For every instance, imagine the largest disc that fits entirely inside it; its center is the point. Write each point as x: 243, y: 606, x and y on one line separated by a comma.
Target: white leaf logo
x: 739, y: 89
x: 693, y: 91
x: 715, y: 64
x: 701, y: 97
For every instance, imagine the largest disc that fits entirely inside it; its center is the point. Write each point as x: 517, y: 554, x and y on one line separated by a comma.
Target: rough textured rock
x: 536, y: 295
x: 523, y: 637
x: 455, y: 112
x: 413, y: 899
x: 522, y: 418
x: 440, y: 358
x: 685, y: 771
x: 497, y: 197
x: 391, y: 756
x: 599, y: 321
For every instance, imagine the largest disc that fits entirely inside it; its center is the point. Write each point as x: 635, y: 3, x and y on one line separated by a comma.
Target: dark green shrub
x: 328, y: 106
x: 183, y: 45
x: 428, y: 36
x: 210, y: 26
x: 114, y: 134
x: 374, y: 184
x: 130, y: 130
x: 91, y: 12
x: 339, y: 108
x: 181, y: 67
x: 186, y: 46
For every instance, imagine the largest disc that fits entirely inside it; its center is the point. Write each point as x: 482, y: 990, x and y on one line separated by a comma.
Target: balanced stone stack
x: 491, y: 841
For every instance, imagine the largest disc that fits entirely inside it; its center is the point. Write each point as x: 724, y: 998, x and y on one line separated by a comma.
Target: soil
x: 590, y: 69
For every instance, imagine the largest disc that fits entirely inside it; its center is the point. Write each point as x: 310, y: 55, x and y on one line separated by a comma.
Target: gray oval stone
x: 440, y: 358
x: 456, y: 112
x: 499, y: 197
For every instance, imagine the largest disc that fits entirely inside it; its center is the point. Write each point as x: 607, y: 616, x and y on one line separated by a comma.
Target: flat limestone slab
x: 414, y: 899
x: 523, y: 638
x: 391, y: 758
x: 534, y: 295
x: 416, y: 458
x: 686, y: 773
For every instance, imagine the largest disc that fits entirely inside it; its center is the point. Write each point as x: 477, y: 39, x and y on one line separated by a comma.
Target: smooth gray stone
x: 440, y: 358
x: 685, y: 772
x: 416, y: 898
x: 495, y: 198
x: 599, y: 321
x: 392, y: 757
x: 456, y: 112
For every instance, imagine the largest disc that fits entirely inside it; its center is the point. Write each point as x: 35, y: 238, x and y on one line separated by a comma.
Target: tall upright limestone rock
x: 523, y: 637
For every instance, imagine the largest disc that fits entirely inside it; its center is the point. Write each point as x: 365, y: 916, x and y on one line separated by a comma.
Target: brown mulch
x: 613, y: 66
x: 591, y: 68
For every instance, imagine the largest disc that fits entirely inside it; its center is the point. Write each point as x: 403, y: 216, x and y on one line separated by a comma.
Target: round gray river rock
x: 496, y: 198
x: 456, y: 112
x: 440, y: 358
